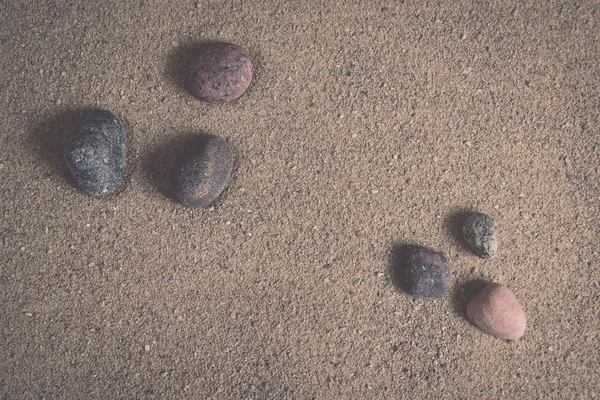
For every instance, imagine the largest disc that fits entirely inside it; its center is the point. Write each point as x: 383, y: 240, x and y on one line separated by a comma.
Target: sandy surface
x: 368, y: 125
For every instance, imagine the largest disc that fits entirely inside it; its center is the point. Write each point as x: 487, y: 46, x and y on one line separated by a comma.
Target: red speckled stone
x: 219, y: 73
x: 495, y: 310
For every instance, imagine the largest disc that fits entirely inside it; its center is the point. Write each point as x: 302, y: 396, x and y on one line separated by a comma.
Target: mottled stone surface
x: 203, y: 171
x: 496, y: 310
x: 219, y: 73
x: 96, y: 153
x: 426, y: 272
x: 480, y: 231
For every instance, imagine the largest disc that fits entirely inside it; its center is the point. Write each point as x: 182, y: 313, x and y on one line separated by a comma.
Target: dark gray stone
x: 427, y: 273
x: 96, y: 154
x: 202, y: 172
x: 481, y: 234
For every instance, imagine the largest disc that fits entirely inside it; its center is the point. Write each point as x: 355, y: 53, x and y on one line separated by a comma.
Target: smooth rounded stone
x: 427, y: 273
x: 481, y: 234
x: 496, y: 310
x: 96, y: 153
x: 219, y: 73
x: 203, y: 171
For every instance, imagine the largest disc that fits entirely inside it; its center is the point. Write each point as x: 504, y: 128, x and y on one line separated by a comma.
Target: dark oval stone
x: 219, y: 73
x: 481, y: 234
x: 427, y: 273
x: 203, y: 171
x: 96, y: 153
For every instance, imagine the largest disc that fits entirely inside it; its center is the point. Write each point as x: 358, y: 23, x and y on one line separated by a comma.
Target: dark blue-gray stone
x: 96, y: 153
x: 427, y: 272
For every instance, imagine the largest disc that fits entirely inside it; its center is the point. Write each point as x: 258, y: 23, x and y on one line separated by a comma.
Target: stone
x: 426, y: 272
x: 219, y: 73
x: 496, y: 310
x: 480, y: 231
x: 202, y: 172
x: 96, y: 153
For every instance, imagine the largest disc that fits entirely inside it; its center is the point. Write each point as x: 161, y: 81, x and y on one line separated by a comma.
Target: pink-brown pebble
x: 496, y: 310
x: 219, y: 73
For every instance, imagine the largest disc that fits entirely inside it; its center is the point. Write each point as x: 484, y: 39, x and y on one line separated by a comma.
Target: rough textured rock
x: 219, y: 73
x: 96, y: 153
x: 203, y: 171
x: 496, y: 310
x: 426, y: 272
x: 480, y: 231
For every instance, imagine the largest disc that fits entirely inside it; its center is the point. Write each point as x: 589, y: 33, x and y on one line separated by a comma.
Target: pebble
x: 219, y: 73
x: 480, y: 231
x: 427, y: 273
x: 203, y: 171
x: 496, y: 310
x: 96, y: 154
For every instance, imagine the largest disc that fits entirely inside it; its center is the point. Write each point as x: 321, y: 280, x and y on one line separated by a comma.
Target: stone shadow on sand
x: 178, y: 62
x: 397, y: 264
x: 463, y: 292
x: 159, y: 163
x: 48, y: 136
x: 453, y: 224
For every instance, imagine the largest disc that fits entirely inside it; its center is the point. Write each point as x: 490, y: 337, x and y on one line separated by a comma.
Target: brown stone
x: 202, y: 172
x: 496, y: 310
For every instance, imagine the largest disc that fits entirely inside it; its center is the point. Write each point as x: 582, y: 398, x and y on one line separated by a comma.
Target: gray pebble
x: 481, y: 234
x: 96, y: 153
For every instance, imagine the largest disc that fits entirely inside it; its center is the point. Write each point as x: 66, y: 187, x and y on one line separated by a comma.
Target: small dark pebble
x: 219, y: 73
x: 427, y: 273
x: 480, y: 231
x: 96, y: 153
x: 203, y: 171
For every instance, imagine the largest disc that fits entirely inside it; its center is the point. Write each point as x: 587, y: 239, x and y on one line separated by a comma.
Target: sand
x: 368, y: 125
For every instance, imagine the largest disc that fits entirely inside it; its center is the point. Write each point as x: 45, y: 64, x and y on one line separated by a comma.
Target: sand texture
x: 368, y: 126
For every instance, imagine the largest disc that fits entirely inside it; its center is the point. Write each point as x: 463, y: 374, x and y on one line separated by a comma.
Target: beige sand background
x: 368, y: 125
